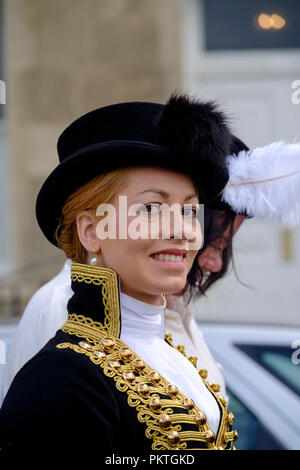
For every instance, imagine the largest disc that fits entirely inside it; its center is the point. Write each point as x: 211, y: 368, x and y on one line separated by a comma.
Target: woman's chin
x: 173, y: 288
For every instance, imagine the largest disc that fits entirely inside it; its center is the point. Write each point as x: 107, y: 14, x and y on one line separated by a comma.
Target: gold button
x: 108, y: 343
x: 201, y: 419
x: 172, y: 390
x: 230, y: 418
x: 154, y: 377
x: 85, y: 345
x: 125, y: 353
x: 165, y: 421
x: 210, y: 437
x: 128, y: 376
x: 155, y: 404
x: 188, y: 403
x: 114, y: 365
x: 203, y: 373
x: 143, y: 389
x: 173, y: 438
x: 231, y: 435
x: 215, y: 387
x: 100, y: 354
x: 223, y: 401
x: 139, y: 365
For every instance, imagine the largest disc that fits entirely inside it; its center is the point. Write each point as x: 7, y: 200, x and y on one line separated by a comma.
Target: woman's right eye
x: 151, y: 209
x: 219, y: 244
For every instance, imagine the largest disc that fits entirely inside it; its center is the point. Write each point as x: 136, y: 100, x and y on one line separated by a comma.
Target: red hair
x: 100, y: 190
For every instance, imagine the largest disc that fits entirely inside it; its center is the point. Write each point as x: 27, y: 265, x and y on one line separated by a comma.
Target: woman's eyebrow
x: 165, y: 194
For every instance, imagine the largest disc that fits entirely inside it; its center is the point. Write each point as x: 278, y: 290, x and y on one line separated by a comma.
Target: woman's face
x: 142, y: 274
x: 211, y: 259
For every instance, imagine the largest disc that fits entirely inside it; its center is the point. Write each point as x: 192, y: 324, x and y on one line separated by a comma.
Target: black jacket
x: 86, y: 390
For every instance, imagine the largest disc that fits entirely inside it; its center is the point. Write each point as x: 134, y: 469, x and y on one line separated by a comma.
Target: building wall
x: 62, y: 59
x: 254, y: 86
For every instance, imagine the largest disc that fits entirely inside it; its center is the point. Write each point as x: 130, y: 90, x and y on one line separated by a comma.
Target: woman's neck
x: 141, y: 318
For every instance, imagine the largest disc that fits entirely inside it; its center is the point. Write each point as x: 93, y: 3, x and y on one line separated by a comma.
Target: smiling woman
x: 142, y: 276
x: 134, y: 259
x: 109, y: 371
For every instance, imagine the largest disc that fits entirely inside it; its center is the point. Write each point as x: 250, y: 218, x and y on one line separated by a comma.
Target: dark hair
x: 216, y: 220
x: 215, y: 224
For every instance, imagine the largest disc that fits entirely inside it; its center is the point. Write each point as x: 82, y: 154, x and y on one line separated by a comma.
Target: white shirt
x: 180, y: 322
x: 141, y: 330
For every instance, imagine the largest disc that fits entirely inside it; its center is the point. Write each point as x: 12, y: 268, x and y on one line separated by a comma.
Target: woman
x: 47, y: 309
x: 264, y: 183
x: 108, y: 374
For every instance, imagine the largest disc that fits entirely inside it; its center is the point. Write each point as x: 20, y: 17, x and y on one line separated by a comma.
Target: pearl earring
x: 93, y: 261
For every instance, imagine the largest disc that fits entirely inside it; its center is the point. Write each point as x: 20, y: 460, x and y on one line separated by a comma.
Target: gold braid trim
x: 224, y: 436
x: 108, y: 352
x: 108, y: 280
x: 82, y: 327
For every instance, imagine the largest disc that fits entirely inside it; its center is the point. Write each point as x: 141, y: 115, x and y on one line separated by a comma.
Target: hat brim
x: 96, y: 159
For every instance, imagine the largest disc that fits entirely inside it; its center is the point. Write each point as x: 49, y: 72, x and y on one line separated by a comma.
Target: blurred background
x: 62, y: 58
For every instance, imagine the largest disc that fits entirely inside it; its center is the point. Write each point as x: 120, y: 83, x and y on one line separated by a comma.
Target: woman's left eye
x: 191, y: 211
x: 154, y: 209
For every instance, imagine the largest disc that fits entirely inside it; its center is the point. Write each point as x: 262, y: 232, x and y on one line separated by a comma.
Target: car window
x: 277, y: 360
x: 252, y: 434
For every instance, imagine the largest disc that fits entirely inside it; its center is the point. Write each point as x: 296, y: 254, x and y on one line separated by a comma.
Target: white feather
x: 265, y: 182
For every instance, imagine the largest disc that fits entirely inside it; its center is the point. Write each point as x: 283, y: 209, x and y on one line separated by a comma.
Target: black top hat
x: 184, y: 135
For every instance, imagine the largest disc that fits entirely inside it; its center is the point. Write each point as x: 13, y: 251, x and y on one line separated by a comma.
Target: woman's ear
x: 86, y: 228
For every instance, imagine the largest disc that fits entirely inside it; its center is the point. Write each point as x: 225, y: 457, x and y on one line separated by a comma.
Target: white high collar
x: 140, y: 318
x: 142, y: 330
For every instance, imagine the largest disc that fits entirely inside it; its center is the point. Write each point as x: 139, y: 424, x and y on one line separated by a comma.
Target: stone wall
x: 62, y: 59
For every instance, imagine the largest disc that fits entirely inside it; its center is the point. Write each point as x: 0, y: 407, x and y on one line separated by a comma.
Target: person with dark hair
x: 210, y: 265
x: 263, y: 183
x: 214, y: 258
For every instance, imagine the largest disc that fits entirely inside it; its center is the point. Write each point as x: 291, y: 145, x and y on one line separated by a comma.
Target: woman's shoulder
x: 58, y: 386
x: 58, y: 365
x: 58, y: 377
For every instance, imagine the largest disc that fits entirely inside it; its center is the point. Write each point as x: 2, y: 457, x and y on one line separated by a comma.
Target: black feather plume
x: 192, y: 127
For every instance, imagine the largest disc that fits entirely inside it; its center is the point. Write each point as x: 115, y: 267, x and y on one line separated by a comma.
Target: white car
x: 261, y: 366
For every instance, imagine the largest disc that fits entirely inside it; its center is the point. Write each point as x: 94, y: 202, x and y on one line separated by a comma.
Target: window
x: 277, y: 360
x: 255, y: 24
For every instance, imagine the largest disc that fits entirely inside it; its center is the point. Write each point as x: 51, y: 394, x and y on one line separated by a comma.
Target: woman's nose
x: 213, y: 261
x: 187, y: 229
